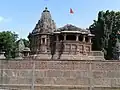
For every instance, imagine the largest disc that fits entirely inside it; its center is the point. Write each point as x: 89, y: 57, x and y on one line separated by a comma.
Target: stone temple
x: 67, y: 42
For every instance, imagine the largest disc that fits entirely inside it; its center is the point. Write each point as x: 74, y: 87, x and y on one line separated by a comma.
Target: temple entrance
x: 71, y: 37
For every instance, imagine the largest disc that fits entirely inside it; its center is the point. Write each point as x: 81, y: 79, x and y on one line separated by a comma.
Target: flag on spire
x: 71, y: 11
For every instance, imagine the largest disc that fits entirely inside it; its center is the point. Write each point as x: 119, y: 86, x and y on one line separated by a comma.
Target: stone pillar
x: 83, y: 38
x: 77, y: 37
x: 64, y: 36
x: 45, y: 41
x: 89, y: 40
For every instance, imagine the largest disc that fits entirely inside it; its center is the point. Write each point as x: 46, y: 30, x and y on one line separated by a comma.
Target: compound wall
x: 60, y: 75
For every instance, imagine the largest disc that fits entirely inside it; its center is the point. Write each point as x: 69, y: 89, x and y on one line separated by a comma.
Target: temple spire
x: 45, y: 24
x: 46, y: 10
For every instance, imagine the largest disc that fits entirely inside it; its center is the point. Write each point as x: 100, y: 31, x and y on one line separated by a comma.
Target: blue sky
x: 21, y: 16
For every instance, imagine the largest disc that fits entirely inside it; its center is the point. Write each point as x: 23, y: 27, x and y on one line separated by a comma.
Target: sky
x: 21, y: 16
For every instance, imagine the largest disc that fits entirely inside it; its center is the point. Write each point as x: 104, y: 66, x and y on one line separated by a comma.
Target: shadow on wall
x: 53, y: 47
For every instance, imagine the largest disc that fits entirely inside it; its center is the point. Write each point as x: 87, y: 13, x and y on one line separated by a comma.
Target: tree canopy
x: 106, y: 29
x: 8, y: 43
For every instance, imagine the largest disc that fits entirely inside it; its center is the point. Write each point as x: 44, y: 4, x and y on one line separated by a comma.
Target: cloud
x: 3, y: 19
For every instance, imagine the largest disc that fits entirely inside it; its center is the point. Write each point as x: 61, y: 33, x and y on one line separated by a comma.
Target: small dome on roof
x: 46, y: 10
x: 70, y: 27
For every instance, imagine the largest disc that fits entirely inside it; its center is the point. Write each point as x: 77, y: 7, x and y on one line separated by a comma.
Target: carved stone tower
x: 40, y: 36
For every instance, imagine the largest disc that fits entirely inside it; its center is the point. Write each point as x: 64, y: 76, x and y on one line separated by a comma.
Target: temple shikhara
x: 67, y: 42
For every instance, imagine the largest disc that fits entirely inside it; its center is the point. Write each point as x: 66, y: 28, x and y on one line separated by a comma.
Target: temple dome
x: 73, y: 28
x: 45, y: 24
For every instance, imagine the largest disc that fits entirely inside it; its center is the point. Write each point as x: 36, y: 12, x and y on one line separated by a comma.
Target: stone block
x: 106, y: 66
x: 79, y: 74
x: 25, y: 73
x: 62, y: 81
x: 99, y: 74
x: 115, y: 82
x: 24, y: 81
x: 112, y: 74
x: 106, y: 88
x: 54, y: 73
x: 13, y: 81
x: 41, y: 65
x: 60, y: 88
x: 40, y: 73
x: 106, y: 74
x: 101, y: 82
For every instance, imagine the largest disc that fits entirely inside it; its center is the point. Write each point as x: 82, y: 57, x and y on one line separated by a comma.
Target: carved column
x: 77, y: 37
x: 83, y: 38
x: 89, y: 39
x: 46, y: 44
x: 64, y: 36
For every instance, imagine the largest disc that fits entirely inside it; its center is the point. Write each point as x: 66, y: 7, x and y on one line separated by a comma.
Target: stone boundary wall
x: 60, y: 75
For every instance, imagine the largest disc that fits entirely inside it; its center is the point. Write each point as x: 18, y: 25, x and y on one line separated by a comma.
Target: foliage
x: 106, y: 29
x: 116, y: 50
x: 8, y: 43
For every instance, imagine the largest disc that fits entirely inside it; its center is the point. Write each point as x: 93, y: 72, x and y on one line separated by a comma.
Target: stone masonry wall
x: 60, y: 75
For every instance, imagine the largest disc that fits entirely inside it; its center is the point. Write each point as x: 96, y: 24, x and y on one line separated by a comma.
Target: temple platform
x: 94, y: 55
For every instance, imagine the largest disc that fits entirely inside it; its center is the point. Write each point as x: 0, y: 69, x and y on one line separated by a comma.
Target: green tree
x: 116, y: 50
x: 8, y: 43
x: 105, y: 29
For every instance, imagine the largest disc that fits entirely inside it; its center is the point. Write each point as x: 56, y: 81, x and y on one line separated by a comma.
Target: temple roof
x: 45, y: 24
x: 69, y: 27
x: 72, y: 29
